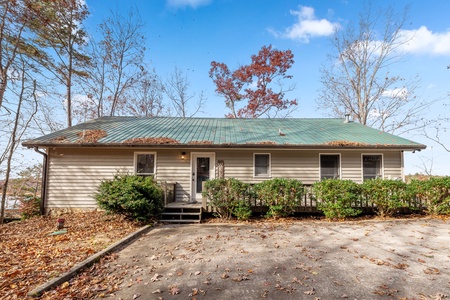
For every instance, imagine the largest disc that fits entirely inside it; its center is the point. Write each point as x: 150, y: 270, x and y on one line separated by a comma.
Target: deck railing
x: 170, y: 191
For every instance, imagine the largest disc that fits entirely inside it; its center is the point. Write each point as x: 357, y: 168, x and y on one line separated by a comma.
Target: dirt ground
x: 396, y: 259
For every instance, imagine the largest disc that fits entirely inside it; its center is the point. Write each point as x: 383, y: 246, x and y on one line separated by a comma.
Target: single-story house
x: 188, y: 151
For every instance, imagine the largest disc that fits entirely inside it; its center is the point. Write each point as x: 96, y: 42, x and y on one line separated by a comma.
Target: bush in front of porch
x: 133, y: 196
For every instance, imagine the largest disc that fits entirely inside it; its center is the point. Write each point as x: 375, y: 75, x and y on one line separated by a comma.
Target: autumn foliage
x: 260, y: 83
x: 29, y: 256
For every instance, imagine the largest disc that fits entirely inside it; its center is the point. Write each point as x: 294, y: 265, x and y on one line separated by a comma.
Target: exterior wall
x: 304, y: 165
x: 74, y: 174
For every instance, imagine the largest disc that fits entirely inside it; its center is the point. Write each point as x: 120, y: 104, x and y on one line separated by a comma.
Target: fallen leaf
x: 155, y: 277
x: 174, y: 290
x: 431, y: 271
x: 65, y: 285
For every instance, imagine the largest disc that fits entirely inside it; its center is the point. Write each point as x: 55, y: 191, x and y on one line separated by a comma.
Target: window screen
x: 145, y: 164
x: 329, y: 167
x: 371, y: 167
x: 262, y: 163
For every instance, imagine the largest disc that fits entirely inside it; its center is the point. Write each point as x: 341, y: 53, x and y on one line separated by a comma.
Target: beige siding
x: 301, y: 165
x: 351, y: 166
x: 393, y: 165
x: 74, y: 174
x: 171, y: 168
x: 238, y: 164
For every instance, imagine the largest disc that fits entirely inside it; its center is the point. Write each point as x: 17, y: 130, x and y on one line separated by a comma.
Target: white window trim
x: 269, y: 172
x: 320, y: 164
x: 135, y: 164
x: 362, y: 164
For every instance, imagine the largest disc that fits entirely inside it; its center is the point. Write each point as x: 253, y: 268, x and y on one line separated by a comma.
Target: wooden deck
x: 182, y: 212
x: 181, y: 204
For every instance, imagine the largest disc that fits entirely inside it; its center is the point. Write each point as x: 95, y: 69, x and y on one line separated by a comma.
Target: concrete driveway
x: 397, y: 259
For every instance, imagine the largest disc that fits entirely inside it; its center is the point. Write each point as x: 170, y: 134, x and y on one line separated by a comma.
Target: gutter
x: 44, y: 180
x: 416, y: 147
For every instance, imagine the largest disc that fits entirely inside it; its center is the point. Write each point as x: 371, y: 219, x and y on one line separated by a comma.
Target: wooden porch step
x: 181, y: 214
x: 178, y: 213
x: 179, y: 221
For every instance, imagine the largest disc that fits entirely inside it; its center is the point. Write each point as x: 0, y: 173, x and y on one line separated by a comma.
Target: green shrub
x: 228, y: 196
x: 336, y: 198
x: 281, y: 195
x: 133, y: 196
x: 388, y: 196
x: 434, y: 194
x: 242, y: 209
x: 30, y: 206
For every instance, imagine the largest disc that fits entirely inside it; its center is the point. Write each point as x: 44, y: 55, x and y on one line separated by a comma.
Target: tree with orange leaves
x: 256, y: 83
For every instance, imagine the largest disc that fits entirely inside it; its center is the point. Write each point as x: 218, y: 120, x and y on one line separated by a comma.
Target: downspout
x: 44, y: 180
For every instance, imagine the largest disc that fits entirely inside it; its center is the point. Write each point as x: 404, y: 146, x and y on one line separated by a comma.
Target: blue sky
x: 189, y: 34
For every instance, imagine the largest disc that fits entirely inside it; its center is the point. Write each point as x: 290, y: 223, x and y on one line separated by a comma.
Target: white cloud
x: 307, y: 26
x: 374, y: 114
x: 191, y: 3
x: 399, y: 93
x: 424, y: 41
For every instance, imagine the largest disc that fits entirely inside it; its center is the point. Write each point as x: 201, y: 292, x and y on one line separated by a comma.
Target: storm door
x: 202, y: 170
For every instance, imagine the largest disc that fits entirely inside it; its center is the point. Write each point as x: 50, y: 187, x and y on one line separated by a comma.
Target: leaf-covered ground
x: 29, y: 256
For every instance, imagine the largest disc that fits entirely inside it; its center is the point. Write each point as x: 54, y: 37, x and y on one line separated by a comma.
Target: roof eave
x: 212, y: 146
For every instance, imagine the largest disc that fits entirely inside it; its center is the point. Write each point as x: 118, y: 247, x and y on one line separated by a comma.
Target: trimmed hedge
x: 387, y: 196
x: 133, y: 196
x: 229, y: 197
x: 280, y: 195
x: 337, y: 198
x: 434, y: 193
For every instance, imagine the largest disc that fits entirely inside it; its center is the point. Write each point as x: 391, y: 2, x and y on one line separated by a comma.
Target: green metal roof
x: 220, y: 132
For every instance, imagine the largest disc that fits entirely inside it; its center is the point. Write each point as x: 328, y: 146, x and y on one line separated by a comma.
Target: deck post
x: 203, y: 197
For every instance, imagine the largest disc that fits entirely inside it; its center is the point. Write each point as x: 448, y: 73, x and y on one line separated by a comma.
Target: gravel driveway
x: 395, y: 259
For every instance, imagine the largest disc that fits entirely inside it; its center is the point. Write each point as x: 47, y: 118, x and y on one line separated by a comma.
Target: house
x: 188, y: 151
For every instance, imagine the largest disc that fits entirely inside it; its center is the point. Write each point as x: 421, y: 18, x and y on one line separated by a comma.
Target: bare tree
x: 358, y: 78
x: 20, y: 115
x: 146, y: 99
x: 435, y: 133
x: 117, y: 63
x: 177, y: 88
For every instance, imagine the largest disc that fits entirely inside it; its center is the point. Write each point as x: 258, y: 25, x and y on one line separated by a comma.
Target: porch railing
x: 170, y: 191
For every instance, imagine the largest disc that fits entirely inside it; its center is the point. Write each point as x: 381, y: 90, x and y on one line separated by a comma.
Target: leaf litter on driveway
x: 400, y: 259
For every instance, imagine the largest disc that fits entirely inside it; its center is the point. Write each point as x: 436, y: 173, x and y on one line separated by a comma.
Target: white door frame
x: 193, y: 175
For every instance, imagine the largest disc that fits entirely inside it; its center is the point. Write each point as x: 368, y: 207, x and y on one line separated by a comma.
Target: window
x: 145, y: 163
x: 372, y: 166
x: 329, y: 166
x: 262, y: 165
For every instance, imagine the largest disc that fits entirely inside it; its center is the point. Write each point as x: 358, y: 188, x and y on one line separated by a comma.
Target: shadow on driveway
x: 399, y: 259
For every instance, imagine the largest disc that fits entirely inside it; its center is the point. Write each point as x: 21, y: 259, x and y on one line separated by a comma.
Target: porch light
x: 183, y: 155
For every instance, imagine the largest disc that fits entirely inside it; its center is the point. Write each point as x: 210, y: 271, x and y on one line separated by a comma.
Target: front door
x: 202, y: 169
